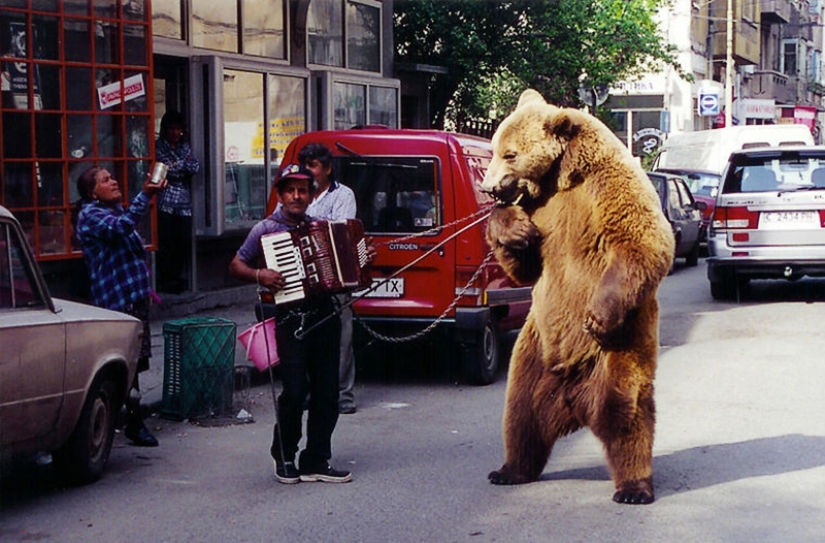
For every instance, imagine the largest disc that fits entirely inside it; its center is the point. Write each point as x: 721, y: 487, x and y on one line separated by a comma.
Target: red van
x: 419, y: 200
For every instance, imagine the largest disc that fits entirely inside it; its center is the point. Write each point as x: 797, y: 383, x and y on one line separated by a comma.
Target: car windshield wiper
x: 806, y: 188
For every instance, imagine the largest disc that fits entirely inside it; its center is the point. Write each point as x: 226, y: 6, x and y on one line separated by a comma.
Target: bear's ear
x: 530, y: 96
x: 564, y: 124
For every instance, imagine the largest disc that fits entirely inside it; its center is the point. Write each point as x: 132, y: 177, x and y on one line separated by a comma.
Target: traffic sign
x: 708, y: 103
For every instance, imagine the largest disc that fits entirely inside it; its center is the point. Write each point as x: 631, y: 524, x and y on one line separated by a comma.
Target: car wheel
x: 479, y: 360
x: 692, y: 258
x: 83, y: 458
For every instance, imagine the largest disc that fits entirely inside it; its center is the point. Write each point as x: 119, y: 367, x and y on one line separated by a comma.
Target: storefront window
x: 325, y: 30
x: 349, y: 101
x: 363, y: 37
x: 263, y: 28
x: 103, y: 118
x: 215, y: 25
x: 167, y: 18
x: 244, y: 177
x: 287, y: 117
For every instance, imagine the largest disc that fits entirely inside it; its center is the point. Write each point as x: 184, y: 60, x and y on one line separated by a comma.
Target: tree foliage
x: 495, y: 49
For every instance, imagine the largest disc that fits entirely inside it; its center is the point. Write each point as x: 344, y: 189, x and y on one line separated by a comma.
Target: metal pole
x: 729, y: 67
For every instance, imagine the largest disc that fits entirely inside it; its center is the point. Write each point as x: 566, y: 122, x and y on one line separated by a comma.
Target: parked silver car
x: 65, y: 367
x: 769, y: 220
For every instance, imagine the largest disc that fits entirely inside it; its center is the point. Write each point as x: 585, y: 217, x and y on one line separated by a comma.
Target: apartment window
x: 788, y: 59
x: 330, y: 22
x: 167, y: 18
x: 215, y: 25
x: 363, y: 37
x: 252, y: 27
x: 263, y: 28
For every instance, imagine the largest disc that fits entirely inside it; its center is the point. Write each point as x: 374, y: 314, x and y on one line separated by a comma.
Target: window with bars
x: 75, y: 93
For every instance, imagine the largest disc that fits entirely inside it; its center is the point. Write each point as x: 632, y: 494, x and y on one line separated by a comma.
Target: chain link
x: 436, y: 322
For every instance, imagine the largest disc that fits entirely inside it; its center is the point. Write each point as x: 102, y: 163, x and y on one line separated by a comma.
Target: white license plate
x: 779, y: 220
x: 394, y: 288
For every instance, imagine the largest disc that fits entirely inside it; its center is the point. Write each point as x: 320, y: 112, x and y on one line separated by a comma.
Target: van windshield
x: 394, y: 194
x: 776, y: 171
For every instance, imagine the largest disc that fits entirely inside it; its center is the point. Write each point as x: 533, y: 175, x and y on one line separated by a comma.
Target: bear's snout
x: 505, y: 190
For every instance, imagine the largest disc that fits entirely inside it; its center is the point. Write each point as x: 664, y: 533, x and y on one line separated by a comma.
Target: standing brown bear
x: 580, y: 220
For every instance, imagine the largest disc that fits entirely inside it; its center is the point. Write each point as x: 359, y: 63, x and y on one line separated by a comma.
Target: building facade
x: 87, y: 81
x: 776, y: 71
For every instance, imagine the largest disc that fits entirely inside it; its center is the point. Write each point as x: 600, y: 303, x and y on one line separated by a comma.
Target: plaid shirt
x: 114, y: 253
x: 177, y: 197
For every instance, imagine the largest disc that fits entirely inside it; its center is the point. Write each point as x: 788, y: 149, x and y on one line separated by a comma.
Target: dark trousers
x: 309, y: 366
x: 174, y: 247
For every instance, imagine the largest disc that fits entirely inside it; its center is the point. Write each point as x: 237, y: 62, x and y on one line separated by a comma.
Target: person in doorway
x: 334, y: 201
x: 175, y: 204
x: 308, y: 365
x: 115, y: 257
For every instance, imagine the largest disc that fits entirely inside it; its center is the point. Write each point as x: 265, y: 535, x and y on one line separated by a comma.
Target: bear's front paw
x: 511, y: 227
x: 506, y: 476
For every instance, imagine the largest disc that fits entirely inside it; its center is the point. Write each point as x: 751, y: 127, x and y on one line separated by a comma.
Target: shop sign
x: 111, y: 94
x: 805, y: 115
x: 752, y: 108
x: 648, y: 140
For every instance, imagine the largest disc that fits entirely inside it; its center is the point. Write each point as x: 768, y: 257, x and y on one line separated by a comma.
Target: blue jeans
x: 308, y: 366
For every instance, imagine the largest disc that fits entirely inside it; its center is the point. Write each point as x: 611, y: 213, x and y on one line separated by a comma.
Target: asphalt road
x: 739, y: 454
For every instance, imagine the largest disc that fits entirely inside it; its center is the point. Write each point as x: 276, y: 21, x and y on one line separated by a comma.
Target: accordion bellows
x: 318, y: 257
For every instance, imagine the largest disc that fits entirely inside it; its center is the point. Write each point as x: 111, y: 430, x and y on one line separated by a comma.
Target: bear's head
x: 527, y: 147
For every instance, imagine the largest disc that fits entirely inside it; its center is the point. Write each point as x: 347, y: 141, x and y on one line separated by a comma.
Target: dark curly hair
x: 315, y: 151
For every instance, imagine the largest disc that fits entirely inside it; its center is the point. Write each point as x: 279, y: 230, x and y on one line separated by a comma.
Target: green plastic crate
x: 198, y: 365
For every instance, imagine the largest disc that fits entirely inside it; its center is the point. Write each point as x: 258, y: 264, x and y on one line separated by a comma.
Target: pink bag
x: 256, y: 339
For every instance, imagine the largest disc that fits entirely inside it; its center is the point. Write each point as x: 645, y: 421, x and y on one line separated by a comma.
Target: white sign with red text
x: 111, y: 95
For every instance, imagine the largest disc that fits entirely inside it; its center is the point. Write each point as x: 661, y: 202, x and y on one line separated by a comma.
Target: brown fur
x: 588, y: 231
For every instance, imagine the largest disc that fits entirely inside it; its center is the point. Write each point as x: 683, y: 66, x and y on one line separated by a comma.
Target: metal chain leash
x: 301, y: 332
x: 435, y: 230
x: 437, y: 321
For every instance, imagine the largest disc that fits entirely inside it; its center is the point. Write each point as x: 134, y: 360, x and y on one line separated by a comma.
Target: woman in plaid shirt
x: 175, y: 204
x: 116, y: 260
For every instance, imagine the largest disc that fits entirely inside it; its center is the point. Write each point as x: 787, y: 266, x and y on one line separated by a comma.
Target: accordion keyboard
x: 283, y: 256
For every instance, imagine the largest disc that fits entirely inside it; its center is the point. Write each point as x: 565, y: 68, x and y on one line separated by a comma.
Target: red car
x: 419, y: 200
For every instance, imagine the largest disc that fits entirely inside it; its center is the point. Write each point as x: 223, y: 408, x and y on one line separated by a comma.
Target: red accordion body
x: 318, y: 257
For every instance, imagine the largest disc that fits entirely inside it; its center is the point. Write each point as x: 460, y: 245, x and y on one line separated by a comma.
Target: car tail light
x: 472, y: 295
x: 725, y: 218
x: 822, y: 218
x: 741, y: 236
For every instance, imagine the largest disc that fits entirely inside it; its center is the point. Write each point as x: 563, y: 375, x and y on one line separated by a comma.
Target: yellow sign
x: 281, y: 132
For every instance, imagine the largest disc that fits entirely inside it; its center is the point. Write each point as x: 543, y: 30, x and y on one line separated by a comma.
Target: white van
x: 708, y: 150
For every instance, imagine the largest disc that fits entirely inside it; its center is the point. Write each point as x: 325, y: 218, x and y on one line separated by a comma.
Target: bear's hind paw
x: 505, y: 476
x: 633, y: 497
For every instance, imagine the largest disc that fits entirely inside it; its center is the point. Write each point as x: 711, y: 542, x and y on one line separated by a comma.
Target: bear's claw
x: 504, y: 476
x: 633, y: 497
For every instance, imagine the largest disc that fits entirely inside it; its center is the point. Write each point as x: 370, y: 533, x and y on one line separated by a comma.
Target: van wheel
x: 479, y: 360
